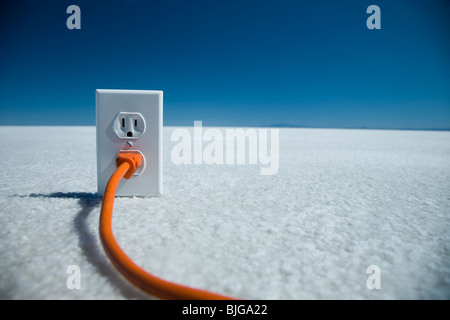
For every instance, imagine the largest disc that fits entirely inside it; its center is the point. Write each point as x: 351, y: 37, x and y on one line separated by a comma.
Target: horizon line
x: 280, y: 126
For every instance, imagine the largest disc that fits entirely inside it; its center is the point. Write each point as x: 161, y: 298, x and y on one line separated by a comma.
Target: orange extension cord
x: 127, y: 163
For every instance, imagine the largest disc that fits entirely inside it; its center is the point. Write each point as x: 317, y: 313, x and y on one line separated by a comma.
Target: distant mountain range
x: 285, y: 125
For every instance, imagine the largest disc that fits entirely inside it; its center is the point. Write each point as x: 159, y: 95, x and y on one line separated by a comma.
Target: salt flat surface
x: 342, y: 200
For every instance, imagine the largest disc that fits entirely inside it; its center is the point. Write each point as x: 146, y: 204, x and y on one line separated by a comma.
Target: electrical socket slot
x: 130, y: 121
x: 129, y: 125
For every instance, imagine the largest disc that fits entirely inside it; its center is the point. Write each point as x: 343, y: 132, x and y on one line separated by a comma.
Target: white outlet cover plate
x: 149, y: 104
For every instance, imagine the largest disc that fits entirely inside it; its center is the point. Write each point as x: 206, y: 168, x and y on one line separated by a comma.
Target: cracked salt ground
x: 341, y: 201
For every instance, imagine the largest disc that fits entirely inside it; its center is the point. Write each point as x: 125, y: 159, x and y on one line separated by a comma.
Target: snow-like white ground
x: 342, y: 200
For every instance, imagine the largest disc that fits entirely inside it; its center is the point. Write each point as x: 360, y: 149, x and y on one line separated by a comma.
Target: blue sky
x: 230, y: 63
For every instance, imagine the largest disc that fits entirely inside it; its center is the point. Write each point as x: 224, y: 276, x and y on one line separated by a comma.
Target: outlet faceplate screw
x: 129, y: 143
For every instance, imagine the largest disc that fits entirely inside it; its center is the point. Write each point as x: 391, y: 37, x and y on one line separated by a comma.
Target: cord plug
x: 133, y: 159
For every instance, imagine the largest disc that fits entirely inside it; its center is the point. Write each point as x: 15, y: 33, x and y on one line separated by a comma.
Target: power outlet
x: 131, y: 121
x: 129, y: 125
